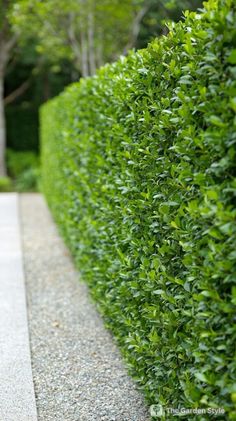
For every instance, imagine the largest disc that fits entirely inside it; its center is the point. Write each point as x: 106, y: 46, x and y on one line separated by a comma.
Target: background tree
x: 87, y: 32
x: 7, y: 43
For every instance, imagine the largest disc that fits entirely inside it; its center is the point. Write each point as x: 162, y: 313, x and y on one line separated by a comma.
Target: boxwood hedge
x: 139, y: 171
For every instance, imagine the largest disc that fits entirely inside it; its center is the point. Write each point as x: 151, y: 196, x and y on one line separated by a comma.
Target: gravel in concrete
x: 78, y: 372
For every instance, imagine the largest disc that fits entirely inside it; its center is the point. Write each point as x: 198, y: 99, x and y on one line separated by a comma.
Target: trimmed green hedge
x: 139, y: 171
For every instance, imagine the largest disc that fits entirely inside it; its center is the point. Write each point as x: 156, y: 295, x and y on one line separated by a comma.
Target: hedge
x: 139, y: 171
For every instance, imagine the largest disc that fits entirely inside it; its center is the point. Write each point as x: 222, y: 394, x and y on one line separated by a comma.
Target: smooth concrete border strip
x: 17, y: 399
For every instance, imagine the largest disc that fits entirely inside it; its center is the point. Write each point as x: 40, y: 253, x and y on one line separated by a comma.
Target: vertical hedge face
x: 139, y: 171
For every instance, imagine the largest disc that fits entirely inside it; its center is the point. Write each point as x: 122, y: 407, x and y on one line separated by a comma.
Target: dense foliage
x: 18, y: 162
x: 23, y: 168
x: 139, y: 171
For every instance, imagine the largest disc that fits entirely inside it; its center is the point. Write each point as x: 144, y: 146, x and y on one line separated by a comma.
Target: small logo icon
x: 156, y: 411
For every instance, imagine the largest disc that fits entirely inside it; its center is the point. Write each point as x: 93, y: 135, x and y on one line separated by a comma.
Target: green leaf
x: 201, y: 376
x: 232, y: 57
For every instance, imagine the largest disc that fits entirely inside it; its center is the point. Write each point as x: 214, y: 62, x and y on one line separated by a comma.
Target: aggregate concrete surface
x: 17, y: 400
x: 78, y: 371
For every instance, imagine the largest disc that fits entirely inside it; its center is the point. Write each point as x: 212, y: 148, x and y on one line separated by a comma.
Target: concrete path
x: 78, y: 371
x: 17, y: 401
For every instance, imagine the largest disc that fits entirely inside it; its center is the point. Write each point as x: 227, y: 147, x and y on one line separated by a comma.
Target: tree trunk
x: 84, y: 54
x: 2, y: 129
x: 136, y: 27
x: 99, y: 50
x: 7, y: 43
x: 74, y: 42
x: 91, y: 52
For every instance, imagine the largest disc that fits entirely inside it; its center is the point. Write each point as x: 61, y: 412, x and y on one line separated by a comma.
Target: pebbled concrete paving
x: 17, y: 400
x: 78, y: 372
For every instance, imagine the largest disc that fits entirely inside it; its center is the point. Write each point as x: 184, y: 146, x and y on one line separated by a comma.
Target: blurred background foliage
x: 54, y: 43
